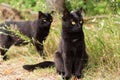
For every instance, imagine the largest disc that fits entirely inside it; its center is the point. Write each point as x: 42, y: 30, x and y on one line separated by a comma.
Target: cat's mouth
x: 47, y: 24
x: 76, y: 29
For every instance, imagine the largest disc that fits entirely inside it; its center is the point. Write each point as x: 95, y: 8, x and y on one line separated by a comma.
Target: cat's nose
x: 79, y: 25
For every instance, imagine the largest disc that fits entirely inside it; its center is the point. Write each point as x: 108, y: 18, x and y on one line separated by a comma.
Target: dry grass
x: 12, y: 68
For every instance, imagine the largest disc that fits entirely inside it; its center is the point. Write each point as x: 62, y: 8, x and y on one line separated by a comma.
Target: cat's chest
x: 72, y: 37
x: 72, y: 43
x: 74, y: 40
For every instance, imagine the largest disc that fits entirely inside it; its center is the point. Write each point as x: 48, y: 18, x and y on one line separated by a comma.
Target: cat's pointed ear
x: 66, y: 14
x: 40, y: 14
x: 79, y: 11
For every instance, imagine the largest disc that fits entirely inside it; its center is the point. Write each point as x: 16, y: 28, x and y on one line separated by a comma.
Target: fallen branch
x: 99, y: 17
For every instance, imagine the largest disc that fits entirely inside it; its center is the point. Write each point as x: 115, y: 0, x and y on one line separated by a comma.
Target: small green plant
x: 95, y: 7
x: 33, y: 5
x: 16, y: 34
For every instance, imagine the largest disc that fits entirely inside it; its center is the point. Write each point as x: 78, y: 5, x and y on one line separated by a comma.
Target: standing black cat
x: 71, y: 57
x: 37, y: 30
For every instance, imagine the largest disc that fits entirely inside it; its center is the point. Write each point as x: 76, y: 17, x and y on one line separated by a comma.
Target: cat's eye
x: 73, y: 23
x: 81, y: 21
x: 45, y: 20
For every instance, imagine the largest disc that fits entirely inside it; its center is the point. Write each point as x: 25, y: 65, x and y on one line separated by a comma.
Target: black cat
x: 36, y: 30
x: 71, y: 57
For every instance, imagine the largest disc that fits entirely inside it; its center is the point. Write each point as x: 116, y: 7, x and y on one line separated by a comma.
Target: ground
x: 12, y: 69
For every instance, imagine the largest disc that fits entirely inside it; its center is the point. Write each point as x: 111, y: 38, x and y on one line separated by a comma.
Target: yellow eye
x: 73, y: 23
x: 81, y: 21
x: 45, y: 20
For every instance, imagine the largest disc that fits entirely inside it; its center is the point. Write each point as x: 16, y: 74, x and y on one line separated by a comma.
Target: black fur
x: 36, y: 30
x: 39, y: 65
x: 71, y: 56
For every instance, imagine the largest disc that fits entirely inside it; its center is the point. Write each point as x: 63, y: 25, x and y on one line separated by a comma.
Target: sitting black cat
x: 71, y: 57
x: 36, y: 30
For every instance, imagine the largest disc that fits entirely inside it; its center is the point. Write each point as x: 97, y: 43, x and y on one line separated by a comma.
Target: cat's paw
x: 66, y: 76
x: 79, y: 76
x: 5, y: 57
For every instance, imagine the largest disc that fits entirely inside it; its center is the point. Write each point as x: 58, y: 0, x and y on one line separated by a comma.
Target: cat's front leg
x: 67, y: 66
x: 2, y: 54
x: 39, y: 47
x: 78, y: 68
x: 5, y: 44
x: 59, y: 63
x: 80, y: 63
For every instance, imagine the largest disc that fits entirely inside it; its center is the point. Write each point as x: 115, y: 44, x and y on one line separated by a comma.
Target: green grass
x: 103, y: 46
x: 23, y: 5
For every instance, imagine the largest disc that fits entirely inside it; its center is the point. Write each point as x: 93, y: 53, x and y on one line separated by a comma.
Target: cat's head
x: 72, y: 22
x: 45, y: 19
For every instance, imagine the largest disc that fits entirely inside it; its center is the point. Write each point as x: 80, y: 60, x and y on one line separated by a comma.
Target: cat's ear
x: 40, y: 14
x: 79, y: 11
x: 66, y: 14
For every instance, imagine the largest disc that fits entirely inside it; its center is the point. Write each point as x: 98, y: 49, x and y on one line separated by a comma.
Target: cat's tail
x: 44, y: 64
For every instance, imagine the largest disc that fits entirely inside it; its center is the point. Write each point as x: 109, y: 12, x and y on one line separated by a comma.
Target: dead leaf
x: 7, y: 71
